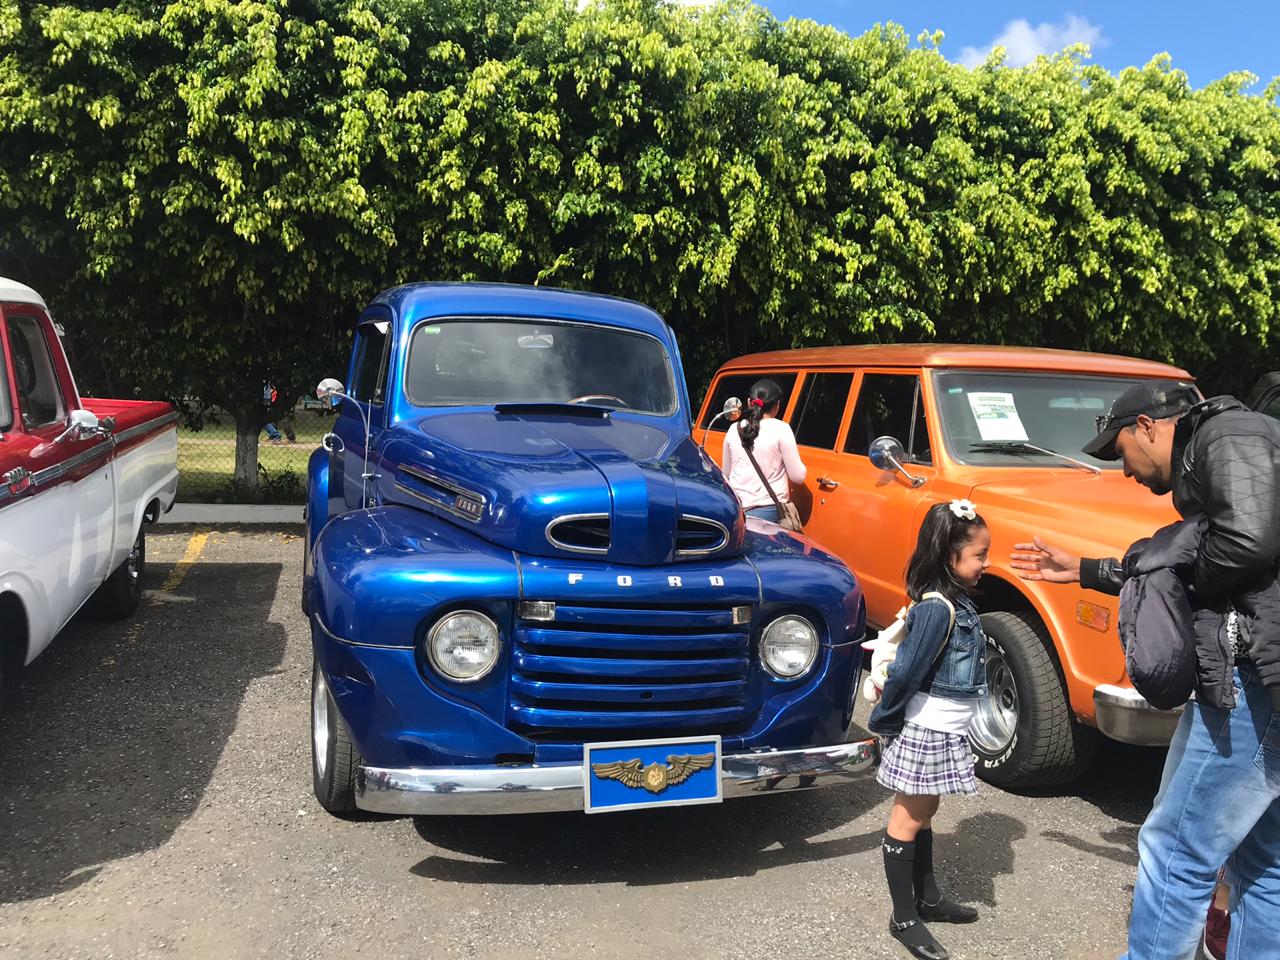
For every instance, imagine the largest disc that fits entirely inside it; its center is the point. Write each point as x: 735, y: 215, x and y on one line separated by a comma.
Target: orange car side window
x: 890, y: 405
x: 737, y: 385
x: 821, y: 408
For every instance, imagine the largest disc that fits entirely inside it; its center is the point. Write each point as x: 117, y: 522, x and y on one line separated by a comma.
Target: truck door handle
x: 828, y: 484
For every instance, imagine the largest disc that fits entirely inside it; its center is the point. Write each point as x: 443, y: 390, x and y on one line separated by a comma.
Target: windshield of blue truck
x: 989, y: 417
x: 480, y: 361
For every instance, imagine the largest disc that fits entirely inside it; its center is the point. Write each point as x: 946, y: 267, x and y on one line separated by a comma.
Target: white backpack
x: 885, y: 647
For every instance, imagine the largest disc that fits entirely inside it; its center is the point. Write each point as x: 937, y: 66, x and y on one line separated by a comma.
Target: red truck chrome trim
x: 12, y: 485
x: 132, y: 433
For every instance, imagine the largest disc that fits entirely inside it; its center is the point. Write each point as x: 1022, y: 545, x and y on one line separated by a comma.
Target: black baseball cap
x: 1156, y: 399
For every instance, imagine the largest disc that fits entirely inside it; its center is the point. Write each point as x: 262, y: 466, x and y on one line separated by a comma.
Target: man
x: 1219, y: 797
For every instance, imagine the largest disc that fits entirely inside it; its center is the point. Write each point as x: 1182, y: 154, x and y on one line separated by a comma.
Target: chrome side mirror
x: 886, y: 453
x: 732, y: 406
x: 331, y: 389
x: 82, y: 423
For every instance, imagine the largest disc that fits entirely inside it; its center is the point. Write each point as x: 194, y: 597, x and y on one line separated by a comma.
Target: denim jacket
x: 960, y: 672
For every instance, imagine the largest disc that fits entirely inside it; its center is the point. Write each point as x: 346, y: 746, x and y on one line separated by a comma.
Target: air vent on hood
x: 698, y: 536
x: 580, y: 533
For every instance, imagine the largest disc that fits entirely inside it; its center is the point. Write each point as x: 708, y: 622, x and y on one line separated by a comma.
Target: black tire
x: 1025, y: 733
x: 120, y: 594
x: 334, y: 758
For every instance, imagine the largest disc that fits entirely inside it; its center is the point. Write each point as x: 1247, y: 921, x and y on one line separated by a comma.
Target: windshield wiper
x: 1022, y: 446
x: 552, y: 407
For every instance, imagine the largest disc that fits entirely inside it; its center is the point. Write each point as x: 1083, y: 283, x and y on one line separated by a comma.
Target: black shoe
x: 915, y: 936
x: 946, y: 911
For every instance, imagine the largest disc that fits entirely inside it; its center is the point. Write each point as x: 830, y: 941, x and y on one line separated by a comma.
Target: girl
x: 772, y: 444
x: 933, y: 685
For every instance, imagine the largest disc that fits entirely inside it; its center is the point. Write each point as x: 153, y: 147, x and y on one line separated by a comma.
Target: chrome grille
x: 580, y: 533
x: 699, y: 536
x: 629, y: 671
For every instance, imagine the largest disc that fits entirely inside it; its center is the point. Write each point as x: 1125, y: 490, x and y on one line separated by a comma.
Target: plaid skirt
x: 922, y: 761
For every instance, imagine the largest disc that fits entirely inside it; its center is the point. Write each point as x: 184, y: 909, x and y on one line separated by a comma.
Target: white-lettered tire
x: 120, y: 593
x: 1025, y: 733
x: 334, y: 758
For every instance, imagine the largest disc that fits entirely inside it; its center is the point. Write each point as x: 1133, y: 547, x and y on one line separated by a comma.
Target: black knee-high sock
x: 899, y: 857
x: 922, y: 872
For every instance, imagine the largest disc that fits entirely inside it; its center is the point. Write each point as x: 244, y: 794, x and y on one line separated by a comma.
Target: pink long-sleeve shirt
x: 775, y: 451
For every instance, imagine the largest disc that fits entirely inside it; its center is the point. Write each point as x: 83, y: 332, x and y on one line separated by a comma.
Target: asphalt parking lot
x: 157, y: 802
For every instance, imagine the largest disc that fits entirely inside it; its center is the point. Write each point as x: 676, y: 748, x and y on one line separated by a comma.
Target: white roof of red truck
x: 14, y: 292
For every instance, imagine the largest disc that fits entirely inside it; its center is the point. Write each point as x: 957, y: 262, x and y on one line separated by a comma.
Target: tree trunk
x: 246, y: 473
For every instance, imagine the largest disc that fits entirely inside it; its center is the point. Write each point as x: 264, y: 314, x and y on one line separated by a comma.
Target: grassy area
x: 207, y: 457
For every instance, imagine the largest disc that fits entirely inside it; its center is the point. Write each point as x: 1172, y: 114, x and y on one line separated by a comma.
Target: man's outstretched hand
x: 1039, y: 561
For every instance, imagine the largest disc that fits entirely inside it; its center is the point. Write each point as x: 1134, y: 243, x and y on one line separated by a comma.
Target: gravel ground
x: 157, y: 803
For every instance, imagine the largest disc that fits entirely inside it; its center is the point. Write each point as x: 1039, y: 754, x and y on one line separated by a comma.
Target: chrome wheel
x: 321, y: 732
x: 996, y: 719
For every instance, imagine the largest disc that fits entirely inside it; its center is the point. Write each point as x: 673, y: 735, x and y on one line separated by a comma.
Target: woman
x: 760, y: 434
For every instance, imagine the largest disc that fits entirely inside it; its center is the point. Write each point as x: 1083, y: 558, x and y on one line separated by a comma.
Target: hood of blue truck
x: 592, y: 486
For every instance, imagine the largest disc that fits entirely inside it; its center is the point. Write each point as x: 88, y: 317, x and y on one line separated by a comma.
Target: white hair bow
x: 963, y: 509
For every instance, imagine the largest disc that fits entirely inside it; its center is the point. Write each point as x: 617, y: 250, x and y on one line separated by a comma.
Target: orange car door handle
x: 826, y: 484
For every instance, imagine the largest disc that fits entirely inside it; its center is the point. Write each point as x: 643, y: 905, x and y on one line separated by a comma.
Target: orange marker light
x: 1093, y: 616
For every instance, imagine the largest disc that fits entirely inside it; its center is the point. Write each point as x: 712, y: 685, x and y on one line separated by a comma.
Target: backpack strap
x: 951, y: 608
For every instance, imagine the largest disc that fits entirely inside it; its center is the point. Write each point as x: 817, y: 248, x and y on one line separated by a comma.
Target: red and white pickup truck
x: 78, y: 479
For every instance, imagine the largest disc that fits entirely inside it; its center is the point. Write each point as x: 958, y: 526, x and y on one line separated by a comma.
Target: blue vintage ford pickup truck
x: 530, y: 590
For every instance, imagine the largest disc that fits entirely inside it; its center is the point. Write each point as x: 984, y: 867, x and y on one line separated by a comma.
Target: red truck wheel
x: 120, y: 594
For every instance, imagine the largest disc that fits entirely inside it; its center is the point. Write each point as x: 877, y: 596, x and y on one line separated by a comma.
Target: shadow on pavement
x: 980, y: 849
x: 652, y: 847
x: 1122, y: 780
x: 117, y: 727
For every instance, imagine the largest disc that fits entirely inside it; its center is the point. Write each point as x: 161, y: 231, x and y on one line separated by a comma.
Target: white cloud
x: 1023, y: 42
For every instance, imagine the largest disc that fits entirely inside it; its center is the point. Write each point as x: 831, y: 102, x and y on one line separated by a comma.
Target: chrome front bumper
x: 1123, y: 714
x: 556, y: 787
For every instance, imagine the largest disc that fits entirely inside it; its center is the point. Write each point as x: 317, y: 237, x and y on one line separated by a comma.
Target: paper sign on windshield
x: 997, y: 417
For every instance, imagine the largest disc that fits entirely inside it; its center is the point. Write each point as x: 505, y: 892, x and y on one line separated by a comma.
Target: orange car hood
x: 1096, y: 515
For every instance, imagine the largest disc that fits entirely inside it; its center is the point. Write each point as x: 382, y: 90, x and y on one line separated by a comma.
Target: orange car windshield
x: 994, y: 418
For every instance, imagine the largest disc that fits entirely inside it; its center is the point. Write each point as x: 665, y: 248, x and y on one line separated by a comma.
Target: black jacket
x: 1157, y: 627
x: 1226, y: 469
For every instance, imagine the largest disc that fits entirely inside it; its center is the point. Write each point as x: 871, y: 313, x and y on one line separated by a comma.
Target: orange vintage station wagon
x: 887, y: 431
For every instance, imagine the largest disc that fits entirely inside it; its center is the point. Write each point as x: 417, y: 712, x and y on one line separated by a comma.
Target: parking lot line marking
x: 195, y: 546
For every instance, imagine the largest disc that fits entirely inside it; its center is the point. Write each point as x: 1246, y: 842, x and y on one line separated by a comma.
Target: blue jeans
x: 272, y: 432
x: 1219, y: 802
x: 769, y: 513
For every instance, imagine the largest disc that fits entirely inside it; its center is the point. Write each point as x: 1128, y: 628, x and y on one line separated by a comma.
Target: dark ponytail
x: 942, y: 536
x: 763, y: 397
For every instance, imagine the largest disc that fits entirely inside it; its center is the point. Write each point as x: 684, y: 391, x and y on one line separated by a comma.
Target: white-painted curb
x: 218, y: 514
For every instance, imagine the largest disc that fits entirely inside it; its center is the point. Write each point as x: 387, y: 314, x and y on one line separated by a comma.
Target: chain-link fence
x: 207, y: 458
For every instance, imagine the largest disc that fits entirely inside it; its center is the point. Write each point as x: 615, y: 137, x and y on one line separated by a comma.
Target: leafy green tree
x: 212, y: 188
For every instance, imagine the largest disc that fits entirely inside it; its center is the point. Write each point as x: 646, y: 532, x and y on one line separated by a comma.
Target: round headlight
x: 788, y: 647
x: 464, y: 646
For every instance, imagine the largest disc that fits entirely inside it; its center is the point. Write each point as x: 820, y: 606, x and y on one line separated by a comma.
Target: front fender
x: 795, y: 571
x: 381, y: 573
x: 317, y: 493
x: 382, y: 577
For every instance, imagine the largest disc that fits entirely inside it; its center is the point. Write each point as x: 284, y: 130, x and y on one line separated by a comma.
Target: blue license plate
x: 633, y: 774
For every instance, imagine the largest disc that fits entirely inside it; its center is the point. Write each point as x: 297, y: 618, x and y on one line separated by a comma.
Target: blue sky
x: 1206, y: 39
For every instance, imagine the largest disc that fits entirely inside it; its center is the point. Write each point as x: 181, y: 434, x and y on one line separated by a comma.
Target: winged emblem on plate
x: 655, y: 777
